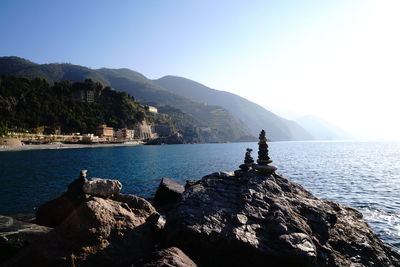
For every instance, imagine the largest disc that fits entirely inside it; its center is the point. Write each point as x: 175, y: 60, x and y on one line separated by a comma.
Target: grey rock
x: 189, y: 183
x: 168, y: 192
x: 102, y: 187
x: 265, y: 169
x: 265, y: 220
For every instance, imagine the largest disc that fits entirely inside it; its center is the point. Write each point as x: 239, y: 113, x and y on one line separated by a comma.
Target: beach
x: 65, y: 146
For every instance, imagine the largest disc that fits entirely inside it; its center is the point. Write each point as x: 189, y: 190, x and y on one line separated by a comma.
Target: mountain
x: 51, y: 72
x: 213, y: 123
x: 255, y: 116
x: 321, y: 129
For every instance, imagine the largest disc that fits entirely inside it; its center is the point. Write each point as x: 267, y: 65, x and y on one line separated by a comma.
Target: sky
x: 336, y: 59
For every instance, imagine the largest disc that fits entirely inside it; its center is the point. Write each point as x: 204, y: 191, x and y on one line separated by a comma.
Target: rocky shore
x: 250, y: 217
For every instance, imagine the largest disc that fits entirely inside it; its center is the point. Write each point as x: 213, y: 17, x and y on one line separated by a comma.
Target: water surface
x: 363, y: 175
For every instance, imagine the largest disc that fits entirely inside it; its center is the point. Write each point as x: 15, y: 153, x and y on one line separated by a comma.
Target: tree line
x: 29, y: 104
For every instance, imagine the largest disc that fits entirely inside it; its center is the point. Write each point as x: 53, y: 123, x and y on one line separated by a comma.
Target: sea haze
x: 363, y: 175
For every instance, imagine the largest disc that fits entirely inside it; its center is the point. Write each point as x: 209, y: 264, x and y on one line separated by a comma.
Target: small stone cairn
x: 263, y: 165
x: 248, y: 160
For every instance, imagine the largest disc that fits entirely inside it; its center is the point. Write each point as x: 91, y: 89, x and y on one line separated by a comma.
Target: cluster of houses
x: 105, y: 133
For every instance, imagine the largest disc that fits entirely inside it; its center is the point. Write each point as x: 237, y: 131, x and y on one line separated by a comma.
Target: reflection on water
x: 363, y: 175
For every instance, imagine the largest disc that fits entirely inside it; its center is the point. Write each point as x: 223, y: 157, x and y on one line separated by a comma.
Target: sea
x: 363, y: 175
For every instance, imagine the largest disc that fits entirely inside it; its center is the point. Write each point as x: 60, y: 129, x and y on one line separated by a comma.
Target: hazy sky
x: 339, y: 60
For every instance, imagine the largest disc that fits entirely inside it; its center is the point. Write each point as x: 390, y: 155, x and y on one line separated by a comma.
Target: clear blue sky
x: 154, y: 37
x: 336, y: 59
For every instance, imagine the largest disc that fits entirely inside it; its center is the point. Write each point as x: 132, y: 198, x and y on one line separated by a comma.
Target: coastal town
x: 140, y: 134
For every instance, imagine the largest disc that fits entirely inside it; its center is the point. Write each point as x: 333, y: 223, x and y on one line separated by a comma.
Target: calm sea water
x: 363, y: 175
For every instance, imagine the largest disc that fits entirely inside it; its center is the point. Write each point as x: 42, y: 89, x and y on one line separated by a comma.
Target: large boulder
x: 54, y: 212
x: 250, y: 219
x: 102, y: 187
x: 168, y: 192
x: 101, y: 232
x: 15, y: 235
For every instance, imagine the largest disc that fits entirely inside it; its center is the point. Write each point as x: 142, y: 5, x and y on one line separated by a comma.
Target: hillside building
x: 89, y: 96
x: 104, y: 131
x: 125, y: 134
x: 90, y: 138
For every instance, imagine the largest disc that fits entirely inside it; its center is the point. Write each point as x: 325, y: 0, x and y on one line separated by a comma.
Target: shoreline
x: 63, y: 146
x: 138, y: 143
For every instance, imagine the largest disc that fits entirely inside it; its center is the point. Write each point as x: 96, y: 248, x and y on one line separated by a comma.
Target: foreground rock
x: 95, y: 225
x: 101, y: 232
x: 168, y: 192
x: 54, y: 212
x: 15, y: 235
x: 252, y: 219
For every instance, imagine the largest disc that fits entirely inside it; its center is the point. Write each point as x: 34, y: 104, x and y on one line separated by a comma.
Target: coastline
x: 64, y: 146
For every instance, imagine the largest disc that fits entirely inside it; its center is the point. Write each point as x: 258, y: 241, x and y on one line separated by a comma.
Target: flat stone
x: 264, y: 162
x: 102, y: 187
x: 265, y: 169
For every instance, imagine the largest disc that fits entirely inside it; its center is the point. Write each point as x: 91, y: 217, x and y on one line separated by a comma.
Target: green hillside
x: 224, y: 127
x: 26, y: 104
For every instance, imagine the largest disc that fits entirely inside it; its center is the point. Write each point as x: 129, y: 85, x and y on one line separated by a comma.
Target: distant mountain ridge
x: 321, y: 129
x: 225, y: 116
x: 255, y: 116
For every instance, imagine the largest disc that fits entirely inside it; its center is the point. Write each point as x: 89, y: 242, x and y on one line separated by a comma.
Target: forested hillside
x: 26, y: 104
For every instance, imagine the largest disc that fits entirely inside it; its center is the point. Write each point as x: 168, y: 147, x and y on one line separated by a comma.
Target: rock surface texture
x: 168, y: 192
x: 252, y: 219
x: 241, y: 218
x: 101, y: 232
x: 102, y: 187
x: 170, y: 257
x: 15, y: 235
x: 94, y: 226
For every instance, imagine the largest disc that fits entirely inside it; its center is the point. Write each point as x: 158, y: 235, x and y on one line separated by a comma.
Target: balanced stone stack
x: 248, y: 160
x: 264, y: 162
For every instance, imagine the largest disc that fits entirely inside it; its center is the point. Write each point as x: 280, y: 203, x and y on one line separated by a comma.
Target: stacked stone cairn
x: 263, y: 165
x: 248, y: 160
